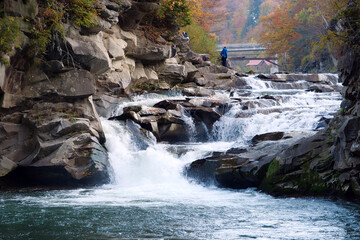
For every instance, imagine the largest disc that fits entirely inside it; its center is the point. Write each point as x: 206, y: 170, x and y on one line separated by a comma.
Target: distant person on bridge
x: 224, y: 55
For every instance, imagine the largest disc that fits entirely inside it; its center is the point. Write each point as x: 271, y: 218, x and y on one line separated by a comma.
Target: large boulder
x: 115, y: 47
x: 191, y: 70
x: 89, y: 51
x: 53, y: 144
x: 146, y: 50
x: 241, y: 168
x: 76, y: 83
x: 106, y: 104
x: 171, y: 72
x: 140, y: 136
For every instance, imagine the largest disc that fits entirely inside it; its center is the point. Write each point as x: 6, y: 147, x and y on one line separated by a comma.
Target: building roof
x: 258, y: 62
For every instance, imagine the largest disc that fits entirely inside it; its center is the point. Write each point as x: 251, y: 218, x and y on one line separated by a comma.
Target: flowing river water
x: 150, y: 198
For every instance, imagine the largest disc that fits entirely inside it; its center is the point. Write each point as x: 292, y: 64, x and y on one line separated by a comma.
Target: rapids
x: 149, y: 197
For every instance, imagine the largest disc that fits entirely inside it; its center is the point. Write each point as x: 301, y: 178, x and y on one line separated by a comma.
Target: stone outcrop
x: 242, y: 167
x: 62, y: 137
x: 176, y: 121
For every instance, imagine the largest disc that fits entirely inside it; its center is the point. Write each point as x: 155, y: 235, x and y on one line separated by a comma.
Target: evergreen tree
x: 253, y: 17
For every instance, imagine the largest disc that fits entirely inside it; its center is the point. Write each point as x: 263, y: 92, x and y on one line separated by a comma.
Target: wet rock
x: 274, y: 136
x: 323, y: 122
x: 208, y: 116
x: 200, y: 92
x: 258, y: 104
x: 127, y: 115
x: 241, y: 168
x: 105, y: 105
x: 320, y: 88
x: 174, y: 116
x: 172, y: 132
x: 142, y: 137
x: 145, y: 111
x: 239, y: 74
x: 268, y: 97
x: 203, y: 171
x: 169, y: 120
x: 167, y: 104
x: 265, y: 76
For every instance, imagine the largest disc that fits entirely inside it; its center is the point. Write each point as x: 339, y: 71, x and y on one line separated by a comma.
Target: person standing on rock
x: 224, y: 55
x: 186, y: 36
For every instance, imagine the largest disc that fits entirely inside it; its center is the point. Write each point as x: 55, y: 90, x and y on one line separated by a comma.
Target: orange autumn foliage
x: 203, y: 14
x: 280, y: 30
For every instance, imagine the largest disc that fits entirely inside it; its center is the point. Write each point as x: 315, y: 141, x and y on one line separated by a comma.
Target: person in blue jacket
x: 224, y: 55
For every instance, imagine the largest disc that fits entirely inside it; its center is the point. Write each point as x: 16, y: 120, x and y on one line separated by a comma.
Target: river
x: 150, y: 198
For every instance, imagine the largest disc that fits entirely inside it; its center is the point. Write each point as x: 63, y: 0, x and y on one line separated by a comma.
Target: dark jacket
x: 224, y: 53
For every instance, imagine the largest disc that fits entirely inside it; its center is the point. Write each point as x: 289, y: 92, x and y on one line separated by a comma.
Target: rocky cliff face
x: 49, y: 123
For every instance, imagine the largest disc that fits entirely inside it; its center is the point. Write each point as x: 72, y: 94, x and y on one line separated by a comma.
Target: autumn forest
x: 299, y: 32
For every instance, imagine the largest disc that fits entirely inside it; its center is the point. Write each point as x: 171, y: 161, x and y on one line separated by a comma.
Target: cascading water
x: 191, y: 128
x: 149, y: 197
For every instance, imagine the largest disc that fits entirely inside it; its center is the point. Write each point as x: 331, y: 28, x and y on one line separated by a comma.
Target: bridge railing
x: 241, y: 47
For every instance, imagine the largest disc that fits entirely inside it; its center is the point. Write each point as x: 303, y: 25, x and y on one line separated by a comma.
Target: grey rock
x: 200, y: 81
x: 201, y: 92
x: 274, y: 136
x: 190, y: 70
x: 22, y: 8
x: 90, y: 52
x: 76, y: 83
x: 142, y: 137
x: 106, y: 104
x: 320, y: 88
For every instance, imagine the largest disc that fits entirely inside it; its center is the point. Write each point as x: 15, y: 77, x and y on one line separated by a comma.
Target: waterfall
x: 255, y: 84
x: 155, y: 173
x: 149, y: 196
x: 191, y: 128
x: 158, y: 168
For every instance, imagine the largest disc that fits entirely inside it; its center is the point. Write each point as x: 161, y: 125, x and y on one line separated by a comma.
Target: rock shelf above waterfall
x: 174, y: 120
